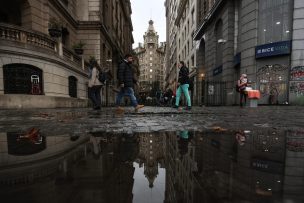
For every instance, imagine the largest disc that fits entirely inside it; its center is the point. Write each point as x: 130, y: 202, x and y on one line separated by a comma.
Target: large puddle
x: 220, y: 165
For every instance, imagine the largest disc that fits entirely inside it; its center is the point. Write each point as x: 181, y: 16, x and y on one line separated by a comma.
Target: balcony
x: 15, y: 36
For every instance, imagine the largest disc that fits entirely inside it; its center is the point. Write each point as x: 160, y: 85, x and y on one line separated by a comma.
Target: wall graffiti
x: 272, y: 83
x: 297, y: 81
x: 297, y: 88
x: 297, y: 73
x: 295, y: 141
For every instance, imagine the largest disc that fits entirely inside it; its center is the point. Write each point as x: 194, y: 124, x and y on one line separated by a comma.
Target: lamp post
x: 109, y: 64
x: 202, y: 76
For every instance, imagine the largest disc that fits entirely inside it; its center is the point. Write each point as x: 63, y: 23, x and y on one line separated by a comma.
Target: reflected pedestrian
x: 96, y: 146
x: 183, y: 143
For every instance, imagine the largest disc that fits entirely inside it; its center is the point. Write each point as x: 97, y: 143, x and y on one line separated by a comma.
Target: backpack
x: 237, y: 88
x: 102, y: 77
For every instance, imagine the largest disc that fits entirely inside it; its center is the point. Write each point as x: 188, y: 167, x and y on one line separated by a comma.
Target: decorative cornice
x: 62, y: 9
x: 89, y: 25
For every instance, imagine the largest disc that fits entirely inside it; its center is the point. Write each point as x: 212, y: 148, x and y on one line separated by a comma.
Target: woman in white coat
x: 95, y: 87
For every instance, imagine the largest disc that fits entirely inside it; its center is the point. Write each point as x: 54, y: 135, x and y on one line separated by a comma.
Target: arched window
x: 73, y: 86
x: 219, y: 42
x: 22, y: 79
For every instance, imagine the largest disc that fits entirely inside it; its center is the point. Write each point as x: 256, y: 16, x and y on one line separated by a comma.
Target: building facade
x: 151, y: 61
x: 181, y: 25
x: 259, y: 38
x: 42, y: 71
x: 171, y: 51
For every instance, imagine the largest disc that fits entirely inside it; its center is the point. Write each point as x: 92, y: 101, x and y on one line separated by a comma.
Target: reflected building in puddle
x: 264, y: 165
x: 151, y: 154
x: 26, y: 167
x: 181, y: 167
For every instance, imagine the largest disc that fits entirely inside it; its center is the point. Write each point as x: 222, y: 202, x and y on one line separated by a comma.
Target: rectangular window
x: 151, y: 58
x: 275, y: 20
x: 151, y: 64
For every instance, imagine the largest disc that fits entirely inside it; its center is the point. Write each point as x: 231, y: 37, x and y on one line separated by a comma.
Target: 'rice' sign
x: 273, y: 49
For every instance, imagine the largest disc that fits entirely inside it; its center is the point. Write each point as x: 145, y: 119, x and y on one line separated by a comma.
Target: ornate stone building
x: 151, y: 60
x: 37, y: 70
x: 171, y: 51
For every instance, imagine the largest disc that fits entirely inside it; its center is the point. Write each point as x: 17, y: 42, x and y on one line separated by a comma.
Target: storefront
x: 273, y: 65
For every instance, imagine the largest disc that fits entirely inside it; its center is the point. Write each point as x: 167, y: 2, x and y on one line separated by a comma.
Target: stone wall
x: 55, y: 70
x: 297, y: 59
x: 248, y: 24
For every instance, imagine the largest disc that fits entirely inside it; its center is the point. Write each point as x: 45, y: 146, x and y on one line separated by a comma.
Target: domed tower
x: 151, y: 62
x: 151, y: 36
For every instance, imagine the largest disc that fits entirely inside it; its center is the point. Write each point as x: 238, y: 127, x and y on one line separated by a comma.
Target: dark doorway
x: 73, y: 86
x: 22, y: 79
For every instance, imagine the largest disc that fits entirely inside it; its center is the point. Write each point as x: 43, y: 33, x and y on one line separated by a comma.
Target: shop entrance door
x: 272, y: 81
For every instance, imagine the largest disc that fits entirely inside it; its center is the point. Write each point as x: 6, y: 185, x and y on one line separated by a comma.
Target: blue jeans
x: 183, y: 88
x: 94, y: 95
x: 126, y: 91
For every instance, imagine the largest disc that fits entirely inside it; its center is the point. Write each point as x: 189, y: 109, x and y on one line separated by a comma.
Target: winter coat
x: 125, y: 74
x: 93, y: 81
x: 183, y: 75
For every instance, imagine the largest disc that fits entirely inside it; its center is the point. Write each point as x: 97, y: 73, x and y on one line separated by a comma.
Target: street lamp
x: 107, y: 83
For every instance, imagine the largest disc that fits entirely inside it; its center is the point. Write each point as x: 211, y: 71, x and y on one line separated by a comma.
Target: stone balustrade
x: 22, y: 35
x: 69, y: 55
x: 19, y: 34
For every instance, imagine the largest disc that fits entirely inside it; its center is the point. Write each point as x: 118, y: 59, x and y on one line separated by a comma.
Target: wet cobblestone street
x: 55, y: 121
x: 218, y: 154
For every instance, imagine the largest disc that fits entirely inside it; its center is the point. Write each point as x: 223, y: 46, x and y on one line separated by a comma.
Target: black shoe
x: 175, y: 107
x: 188, y: 108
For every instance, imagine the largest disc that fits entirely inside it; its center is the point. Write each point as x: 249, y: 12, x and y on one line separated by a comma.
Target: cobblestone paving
x: 84, y: 120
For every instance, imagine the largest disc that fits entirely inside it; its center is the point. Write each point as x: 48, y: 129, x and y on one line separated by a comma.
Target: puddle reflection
x: 220, y: 165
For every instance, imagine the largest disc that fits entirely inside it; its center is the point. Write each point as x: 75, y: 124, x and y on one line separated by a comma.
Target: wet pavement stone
x: 85, y: 120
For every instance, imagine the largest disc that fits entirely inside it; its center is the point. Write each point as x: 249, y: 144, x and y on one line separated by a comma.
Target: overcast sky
x: 142, y: 12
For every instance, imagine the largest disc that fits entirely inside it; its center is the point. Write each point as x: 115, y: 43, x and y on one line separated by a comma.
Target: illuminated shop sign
x: 273, y: 49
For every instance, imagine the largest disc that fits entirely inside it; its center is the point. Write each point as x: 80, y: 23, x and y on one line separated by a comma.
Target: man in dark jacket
x: 125, y: 76
x: 183, y: 85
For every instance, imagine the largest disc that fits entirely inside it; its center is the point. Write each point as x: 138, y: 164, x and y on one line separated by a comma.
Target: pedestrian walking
x: 94, y: 86
x: 125, y: 76
x: 183, y: 85
x: 241, y: 85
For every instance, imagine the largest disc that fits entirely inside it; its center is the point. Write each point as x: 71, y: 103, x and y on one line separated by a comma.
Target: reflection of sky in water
x: 141, y: 190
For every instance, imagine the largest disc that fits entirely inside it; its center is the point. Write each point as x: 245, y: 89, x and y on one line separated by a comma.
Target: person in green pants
x: 183, y: 85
